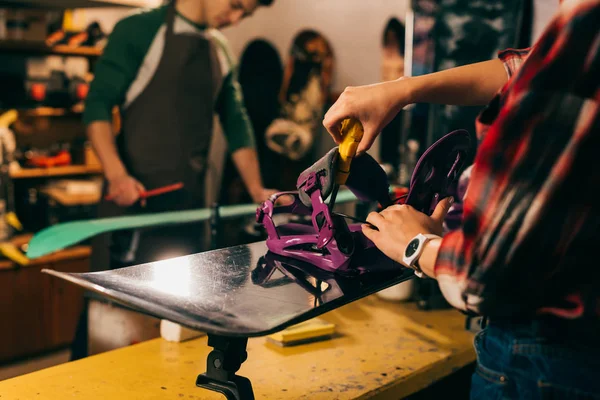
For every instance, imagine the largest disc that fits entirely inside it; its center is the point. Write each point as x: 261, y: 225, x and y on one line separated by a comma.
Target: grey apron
x: 166, y: 137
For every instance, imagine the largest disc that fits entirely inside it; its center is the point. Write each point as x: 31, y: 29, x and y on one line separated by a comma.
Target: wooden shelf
x: 55, y: 171
x: 64, y: 4
x: 49, y: 112
x: 76, y: 51
x: 30, y: 47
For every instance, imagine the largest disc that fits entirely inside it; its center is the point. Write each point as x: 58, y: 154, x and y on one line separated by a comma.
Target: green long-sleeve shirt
x: 131, y: 58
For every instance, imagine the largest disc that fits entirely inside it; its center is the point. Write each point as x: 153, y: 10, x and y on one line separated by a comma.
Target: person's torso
x: 168, y: 110
x: 152, y: 26
x: 537, y: 165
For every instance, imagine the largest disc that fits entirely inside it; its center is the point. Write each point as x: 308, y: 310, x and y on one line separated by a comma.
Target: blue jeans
x: 516, y: 362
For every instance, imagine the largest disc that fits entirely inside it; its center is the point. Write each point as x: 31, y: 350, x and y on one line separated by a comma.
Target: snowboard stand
x: 222, y: 363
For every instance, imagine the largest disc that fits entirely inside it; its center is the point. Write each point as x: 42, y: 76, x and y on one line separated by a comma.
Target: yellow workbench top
x: 383, y: 350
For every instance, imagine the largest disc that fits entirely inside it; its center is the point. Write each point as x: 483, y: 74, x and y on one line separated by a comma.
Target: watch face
x: 412, y: 247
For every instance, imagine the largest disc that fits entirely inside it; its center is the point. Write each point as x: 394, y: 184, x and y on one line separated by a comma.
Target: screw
x: 217, y: 363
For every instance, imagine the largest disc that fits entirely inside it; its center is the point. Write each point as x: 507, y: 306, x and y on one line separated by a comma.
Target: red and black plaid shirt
x: 529, y: 242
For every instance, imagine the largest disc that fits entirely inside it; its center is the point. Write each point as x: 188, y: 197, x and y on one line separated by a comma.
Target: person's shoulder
x: 224, y: 48
x: 217, y: 34
x: 220, y: 38
x: 142, y: 20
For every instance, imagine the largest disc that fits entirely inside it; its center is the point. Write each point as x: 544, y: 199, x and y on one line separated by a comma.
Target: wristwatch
x: 413, y: 251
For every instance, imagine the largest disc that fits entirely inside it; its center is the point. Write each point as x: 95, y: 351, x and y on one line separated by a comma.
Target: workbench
x: 39, y: 314
x: 381, y: 350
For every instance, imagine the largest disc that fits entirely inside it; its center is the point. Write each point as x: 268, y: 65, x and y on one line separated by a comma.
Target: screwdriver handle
x: 155, y: 192
x: 161, y: 190
x: 352, y: 132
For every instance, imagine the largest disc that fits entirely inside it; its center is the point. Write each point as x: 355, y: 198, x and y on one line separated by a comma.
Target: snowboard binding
x: 329, y: 242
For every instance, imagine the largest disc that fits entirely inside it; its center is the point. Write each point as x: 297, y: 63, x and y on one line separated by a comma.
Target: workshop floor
x: 23, y: 367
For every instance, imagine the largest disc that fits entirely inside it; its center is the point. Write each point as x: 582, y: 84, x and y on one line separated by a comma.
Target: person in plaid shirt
x: 525, y: 256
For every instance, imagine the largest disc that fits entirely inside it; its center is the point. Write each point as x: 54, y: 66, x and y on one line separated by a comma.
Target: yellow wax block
x: 308, y: 331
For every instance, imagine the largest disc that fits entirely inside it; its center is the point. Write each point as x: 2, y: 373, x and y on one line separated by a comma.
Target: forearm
x: 246, y: 162
x: 469, y: 85
x: 102, y: 139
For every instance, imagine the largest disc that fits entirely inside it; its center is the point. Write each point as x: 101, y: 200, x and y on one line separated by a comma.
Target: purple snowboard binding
x: 329, y: 243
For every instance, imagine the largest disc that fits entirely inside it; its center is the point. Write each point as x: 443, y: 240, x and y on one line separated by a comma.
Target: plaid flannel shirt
x: 528, y: 243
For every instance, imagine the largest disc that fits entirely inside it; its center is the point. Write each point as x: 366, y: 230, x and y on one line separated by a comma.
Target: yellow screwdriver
x: 351, y: 132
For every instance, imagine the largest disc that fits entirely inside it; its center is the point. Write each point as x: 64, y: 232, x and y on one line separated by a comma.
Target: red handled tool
x: 157, y: 191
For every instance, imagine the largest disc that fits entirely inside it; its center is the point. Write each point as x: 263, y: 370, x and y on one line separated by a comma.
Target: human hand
x: 261, y: 194
x: 373, y: 105
x: 399, y: 224
x: 125, y: 190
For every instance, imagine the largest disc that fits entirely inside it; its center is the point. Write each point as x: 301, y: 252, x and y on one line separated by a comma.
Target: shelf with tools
x: 49, y: 111
x: 34, y: 47
x: 63, y: 4
x: 55, y: 171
